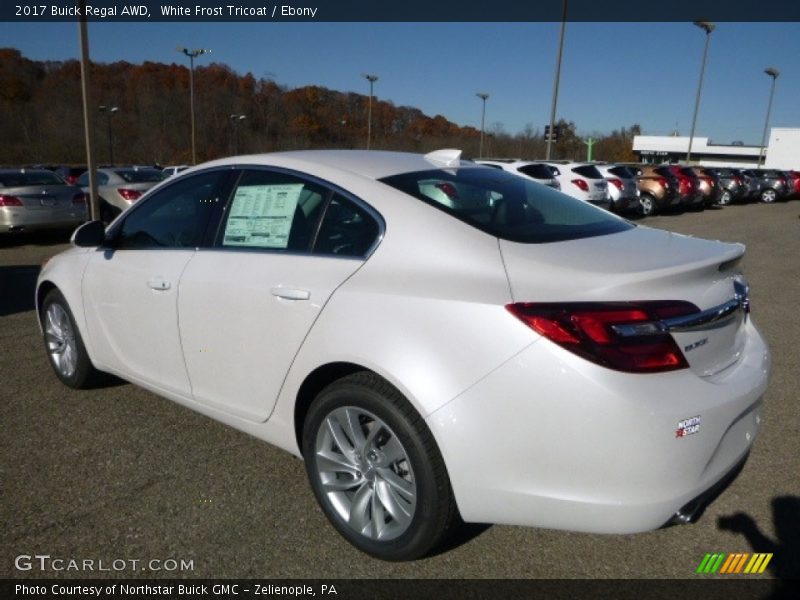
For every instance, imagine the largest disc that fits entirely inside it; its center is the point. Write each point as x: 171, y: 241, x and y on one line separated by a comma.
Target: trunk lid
x: 43, y: 197
x: 637, y: 265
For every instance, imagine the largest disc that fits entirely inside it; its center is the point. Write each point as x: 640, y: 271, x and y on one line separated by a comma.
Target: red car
x: 688, y: 187
x: 794, y: 183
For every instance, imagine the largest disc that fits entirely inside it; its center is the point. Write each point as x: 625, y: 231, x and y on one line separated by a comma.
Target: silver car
x: 34, y: 199
x: 622, y: 191
x: 532, y: 170
x: 119, y: 187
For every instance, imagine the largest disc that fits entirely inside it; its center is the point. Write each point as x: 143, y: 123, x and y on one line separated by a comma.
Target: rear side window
x: 536, y: 171
x: 507, y: 206
x: 588, y: 171
x: 346, y: 230
x: 273, y: 211
x: 139, y: 175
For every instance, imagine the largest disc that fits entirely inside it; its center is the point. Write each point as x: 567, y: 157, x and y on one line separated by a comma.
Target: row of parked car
x: 647, y: 188
x: 56, y: 197
x: 39, y: 198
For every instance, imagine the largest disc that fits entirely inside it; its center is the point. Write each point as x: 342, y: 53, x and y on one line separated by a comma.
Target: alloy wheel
x: 60, y: 340
x: 366, y: 474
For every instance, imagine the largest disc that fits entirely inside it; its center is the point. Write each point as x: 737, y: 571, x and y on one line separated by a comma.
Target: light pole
x: 88, y: 115
x: 109, y: 111
x: 372, y: 79
x: 772, y: 72
x: 236, y: 120
x: 483, y: 96
x: 192, y: 54
x: 556, y: 81
x: 708, y: 27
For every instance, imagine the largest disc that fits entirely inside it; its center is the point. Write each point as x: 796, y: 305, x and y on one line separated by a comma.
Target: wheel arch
x: 313, y: 384
x: 42, y: 290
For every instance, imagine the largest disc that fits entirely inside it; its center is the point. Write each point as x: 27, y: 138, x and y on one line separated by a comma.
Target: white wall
x: 783, y: 151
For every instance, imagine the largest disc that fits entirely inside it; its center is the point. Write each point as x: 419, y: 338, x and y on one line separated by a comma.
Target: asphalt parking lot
x: 118, y: 473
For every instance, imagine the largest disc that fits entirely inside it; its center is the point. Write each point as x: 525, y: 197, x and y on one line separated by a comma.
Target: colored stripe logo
x: 735, y: 563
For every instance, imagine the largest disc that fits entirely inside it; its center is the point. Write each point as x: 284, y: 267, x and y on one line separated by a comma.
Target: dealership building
x: 782, y: 151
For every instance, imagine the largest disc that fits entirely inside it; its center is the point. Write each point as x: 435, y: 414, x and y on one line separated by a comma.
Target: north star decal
x: 688, y: 427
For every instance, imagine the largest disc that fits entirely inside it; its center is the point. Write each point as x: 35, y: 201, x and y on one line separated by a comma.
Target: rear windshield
x: 139, y: 175
x: 588, y: 171
x: 623, y: 172
x: 507, y: 206
x: 536, y: 171
x: 19, y: 178
x: 664, y: 172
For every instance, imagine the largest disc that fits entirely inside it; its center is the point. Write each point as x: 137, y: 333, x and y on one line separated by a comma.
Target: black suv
x: 731, y: 185
x: 773, y: 184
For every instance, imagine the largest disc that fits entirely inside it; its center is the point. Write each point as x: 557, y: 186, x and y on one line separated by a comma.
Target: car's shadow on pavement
x: 17, y: 288
x: 785, y: 550
x: 463, y: 533
x: 38, y: 238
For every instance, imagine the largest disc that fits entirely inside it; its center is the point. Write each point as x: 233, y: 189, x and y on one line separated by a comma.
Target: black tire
x: 725, y: 198
x: 362, y: 479
x: 64, y: 345
x: 769, y: 196
x: 647, y: 205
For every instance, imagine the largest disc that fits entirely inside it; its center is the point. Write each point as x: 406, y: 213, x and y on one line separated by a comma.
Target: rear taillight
x: 625, y: 336
x: 80, y: 198
x: 662, y: 181
x: 9, y: 200
x: 129, y: 195
x: 581, y: 184
x: 449, y: 189
x: 617, y: 183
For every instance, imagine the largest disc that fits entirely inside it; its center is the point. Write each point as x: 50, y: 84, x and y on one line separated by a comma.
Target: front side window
x: 174, y: 217
x: 507, y: 206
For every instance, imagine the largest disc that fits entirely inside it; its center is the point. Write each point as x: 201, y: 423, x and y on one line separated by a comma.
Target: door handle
x: 290, y: 293
x: 158, y: 283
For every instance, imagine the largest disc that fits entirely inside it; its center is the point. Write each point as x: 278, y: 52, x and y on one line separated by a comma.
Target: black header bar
x: 402, y: 10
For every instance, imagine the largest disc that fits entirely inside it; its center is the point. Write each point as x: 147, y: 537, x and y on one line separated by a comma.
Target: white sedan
x: 436, y: 339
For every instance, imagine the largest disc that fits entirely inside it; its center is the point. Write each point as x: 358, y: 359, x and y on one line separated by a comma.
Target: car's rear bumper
x: 23, y: 219
x: 551, y: 440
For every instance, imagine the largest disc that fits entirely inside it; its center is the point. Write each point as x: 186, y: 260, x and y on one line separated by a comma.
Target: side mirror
x: 89, y: 235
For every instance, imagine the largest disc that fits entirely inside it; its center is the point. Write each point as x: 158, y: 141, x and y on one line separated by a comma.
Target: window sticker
x: 261, y: 215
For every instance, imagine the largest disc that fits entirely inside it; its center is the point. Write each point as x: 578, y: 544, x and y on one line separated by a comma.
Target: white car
x: 524, y: 168
x: 119, y: 187
x: 433, y: 337
x: 622, y: 190
x: 167, y: 172
x: 582, y: 181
